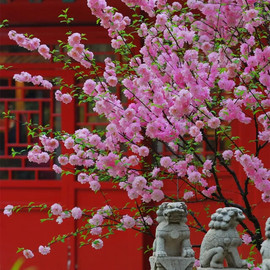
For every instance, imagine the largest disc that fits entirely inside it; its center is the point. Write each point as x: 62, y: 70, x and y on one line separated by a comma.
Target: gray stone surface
x: 265, y: 249
x: 172, y: 249
x: 172, y: 263
x: 222, y: 240
x: 227, y: 268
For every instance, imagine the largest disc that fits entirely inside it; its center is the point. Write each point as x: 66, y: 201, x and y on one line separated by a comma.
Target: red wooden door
x: 22, y: 182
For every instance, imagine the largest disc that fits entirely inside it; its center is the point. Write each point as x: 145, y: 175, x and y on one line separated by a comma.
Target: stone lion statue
x: 265, y: 249
x: 221, y: 241
x: 172, y: 234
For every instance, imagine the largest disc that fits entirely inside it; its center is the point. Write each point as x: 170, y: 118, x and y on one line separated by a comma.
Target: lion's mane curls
x: 221, y: 219
x: 267, y: 228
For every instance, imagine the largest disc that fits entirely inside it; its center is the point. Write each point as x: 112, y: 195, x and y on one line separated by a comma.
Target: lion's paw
x: 188, y: 252
x: 244, y: 263
x: 161, y: 253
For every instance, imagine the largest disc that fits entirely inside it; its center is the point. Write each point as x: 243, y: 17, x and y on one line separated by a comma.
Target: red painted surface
x: 24, y: 229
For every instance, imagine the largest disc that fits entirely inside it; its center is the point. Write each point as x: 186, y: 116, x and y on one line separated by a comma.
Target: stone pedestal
x: 225, y: 268
x: 171, y: 263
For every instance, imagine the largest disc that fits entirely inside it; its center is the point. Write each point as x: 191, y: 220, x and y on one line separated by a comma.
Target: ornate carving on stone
x: 172, y: 249
x: 265, y: 249
x: 221, y: 241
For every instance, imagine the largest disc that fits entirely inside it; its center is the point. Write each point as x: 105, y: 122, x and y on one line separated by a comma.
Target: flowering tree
x: 202, y: 66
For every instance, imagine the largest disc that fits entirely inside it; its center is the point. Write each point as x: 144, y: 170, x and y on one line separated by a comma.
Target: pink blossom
x: 44, y: 51
x: 133, y: 193
x: 96, y: 220
x: 56, y: 209
x: 105, y: 211
x: 227, y: 154
x: 96, y: 231
x: 194, y: 177
x: 58, y: 95
x: 69, y: 143
x: 194, y: 131
x: 12, y: 34
x: 74, y: 160
x: 208, y: 192
x: 97, y: 244
x: 143, y: 151
x: 155, y: 172
x: 208, y: 164
x: 157, y: 184
x: 37, y: 80
x: 112, y: 81
x: 157, y: 195
x: 76, y: 213
x: 44, y: 250
x: 133, y: 160
x: 57, y: 169
x: 139, y: 183
x: 166, y: 162
x: 226, y: 84
x: 89, y: 87
x: 250, y: 14
x: 43, y: 158
x: 34, y: 43
x: 213, y: 122
x: 128, y: 222
x: 50, y: 144
x: 246, y: 239
x: 94, y: 140
x: 188, y: 195
x: 197, y: 263
x: 63, y: 160
x: 66, y: 98
x: 73, y: 39
x: 142, y: 221
x: 146, y: 197
x: 28, y: 254
x: 199, y: 124
x: 95, y: 186
x: 63, y: 215
x: 46, y: 84
x: 83, y: 178
x: 8, y: 210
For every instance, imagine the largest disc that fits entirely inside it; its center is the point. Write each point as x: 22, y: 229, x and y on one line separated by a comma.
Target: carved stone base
x: 224, y: 268
x: 171, y: 263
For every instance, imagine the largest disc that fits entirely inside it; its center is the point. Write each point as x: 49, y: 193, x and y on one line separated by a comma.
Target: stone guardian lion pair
x: 172, y: 249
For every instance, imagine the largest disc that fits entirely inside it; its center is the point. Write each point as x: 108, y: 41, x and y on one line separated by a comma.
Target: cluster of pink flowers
x: 254, y: 169
x: 185, y: 80
x: 96, y: 223
x: 264, y: 135
x: 57, y: 210
x: 128, y: 222
x: 36, y: 80
x: 49, y: 144
x: 30, y: 44
x: 78, y: 51
x: 208, y: 192
x: 37, y: 155
x: 113, y: 21
x: 65, y: 98
x: 144, y: 221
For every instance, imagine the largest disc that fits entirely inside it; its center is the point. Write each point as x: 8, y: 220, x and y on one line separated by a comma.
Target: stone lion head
x: 172, y: 211
x: 226, y: 217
